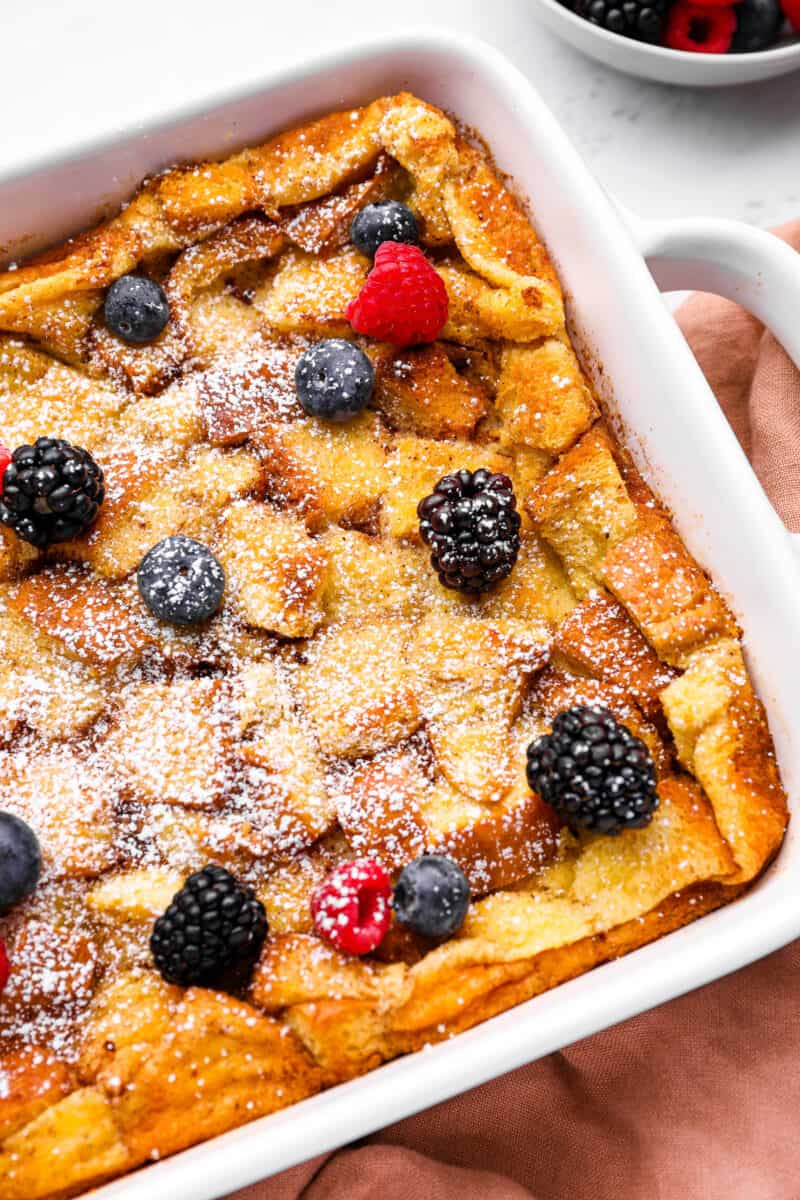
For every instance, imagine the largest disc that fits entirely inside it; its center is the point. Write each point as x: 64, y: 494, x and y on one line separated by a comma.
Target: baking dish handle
x: 750, y: 266
x: 731, y: 259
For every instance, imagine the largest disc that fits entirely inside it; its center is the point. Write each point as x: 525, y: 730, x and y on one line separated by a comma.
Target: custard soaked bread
x: 354, y: 686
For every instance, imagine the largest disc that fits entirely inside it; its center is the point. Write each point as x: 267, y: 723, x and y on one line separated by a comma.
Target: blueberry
x: 386, y: 221
x: 758, y: 23
x: 334, y: 379
x: 432, y: 896
x: 181, y: 581
x: 136, y: 308
x: 20, y: 860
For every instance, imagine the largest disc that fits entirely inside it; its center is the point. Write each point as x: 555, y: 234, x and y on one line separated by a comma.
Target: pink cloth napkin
x: 697, y: 1099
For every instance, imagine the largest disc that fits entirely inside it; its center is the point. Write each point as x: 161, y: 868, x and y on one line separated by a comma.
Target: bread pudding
x: 355, y: 686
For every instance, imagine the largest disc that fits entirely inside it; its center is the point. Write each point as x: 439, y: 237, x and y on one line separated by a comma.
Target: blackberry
x: 51, y: 492
x: 471, y: 524
x: 181, y: 580
x: 334, y: 379
x: 385, y: 221
x: 594, y: 772
x: 136, y: 309
x: 642, y: 20
x: 432, y: 896
x: 214, y: 923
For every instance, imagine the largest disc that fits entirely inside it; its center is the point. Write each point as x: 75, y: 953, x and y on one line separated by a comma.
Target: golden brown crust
x: 599, y: 638
x: 343, y: 702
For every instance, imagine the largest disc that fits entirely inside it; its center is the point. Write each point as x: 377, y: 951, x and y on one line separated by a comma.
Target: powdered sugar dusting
x: 341, y: 703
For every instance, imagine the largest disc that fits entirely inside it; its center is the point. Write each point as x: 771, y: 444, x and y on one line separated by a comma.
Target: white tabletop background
x: 73, y: 68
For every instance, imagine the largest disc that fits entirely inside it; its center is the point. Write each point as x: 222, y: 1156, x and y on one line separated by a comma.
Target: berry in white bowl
x: 699, y: 43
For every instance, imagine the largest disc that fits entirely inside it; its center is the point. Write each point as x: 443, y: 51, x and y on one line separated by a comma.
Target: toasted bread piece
x: 358, y: 688
x: 82, y: 614
x: 15, y: 555
x: 41, y: 686
x: 482, y: 654
x: 583, y: 509
x: 184, y: 1051
x: 309, y: 295
x: 542, y: 396
x: 392, y: 808
x: 472, y: 675
x: 54, y: 968
x: 722, y: 737
x: 150, y: 502
x: 172, y: 743
x: 379, y: 806
x: 478, y: 311
x: 669, y: 597
x: 296, y: 969
x: 286, y: 893
x: 491, y: 227
x: 420, y: 391
x: 496, y: 844
x: 138, y: 895
x: 145, y: 369
x: 324, y: 224
x: 69, y: 805
x: 334, y: 151
x: 528, y: 468
x: 470, y: 735
x: 274, y: 570
x: 33, y: 1078
x: 328, y: 472
x: 79, y: 1133
x: 283, y: 767
x: 368, y: 574
x: 38, y: 394
x: 523, y: 300
x: 237, y: 398
x: 224, y: 327
x: 537, y: 589
x: 599, y: 637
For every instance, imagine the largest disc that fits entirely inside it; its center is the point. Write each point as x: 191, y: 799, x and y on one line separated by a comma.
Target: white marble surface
x: 89, y: 66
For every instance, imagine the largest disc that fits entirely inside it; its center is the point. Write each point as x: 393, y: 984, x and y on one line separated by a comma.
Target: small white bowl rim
x: 666, y: 53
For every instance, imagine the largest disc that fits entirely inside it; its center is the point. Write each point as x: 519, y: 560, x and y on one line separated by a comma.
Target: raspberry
x: 351, y: 908
x: 791, y: 10
x: 702, y: 28
x: 403, y: 300
x: 5, y: 966
x: 5, y: 459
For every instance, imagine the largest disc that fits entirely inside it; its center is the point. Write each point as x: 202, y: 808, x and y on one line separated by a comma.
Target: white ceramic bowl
x: 675, y: 429
x: 661, y: 64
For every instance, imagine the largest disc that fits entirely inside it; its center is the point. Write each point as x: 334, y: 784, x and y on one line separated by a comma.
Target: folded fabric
x: 698, y: 1098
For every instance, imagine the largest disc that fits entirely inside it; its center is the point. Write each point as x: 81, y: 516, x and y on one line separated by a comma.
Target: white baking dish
x: 679, y: 436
